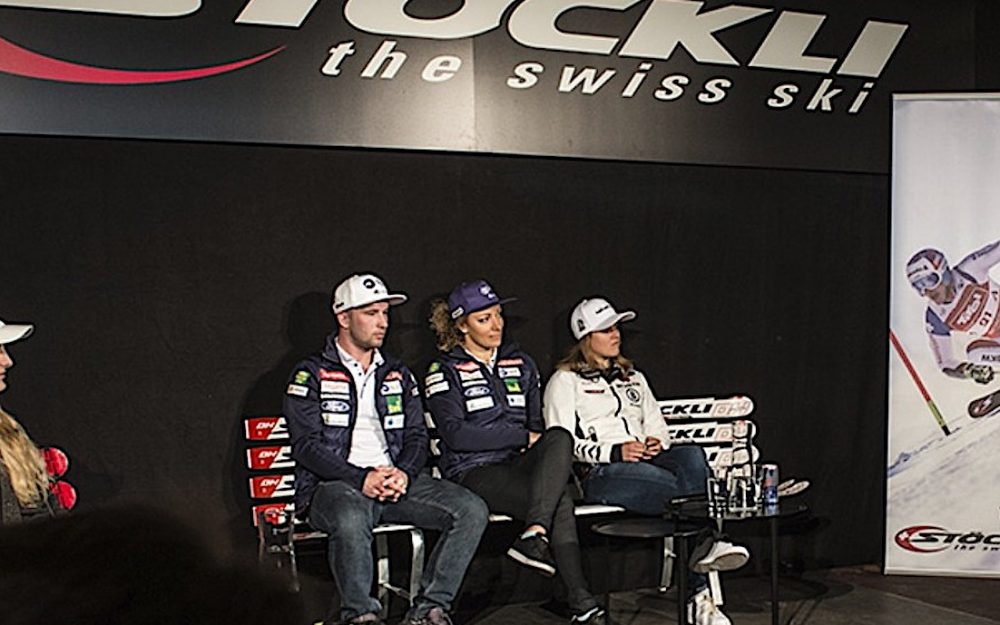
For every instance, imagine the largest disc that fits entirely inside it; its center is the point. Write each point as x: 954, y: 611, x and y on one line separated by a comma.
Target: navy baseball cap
x: 469, y: 297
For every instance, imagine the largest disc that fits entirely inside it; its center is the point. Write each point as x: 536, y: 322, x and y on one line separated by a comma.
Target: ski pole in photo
x: 920, y: 385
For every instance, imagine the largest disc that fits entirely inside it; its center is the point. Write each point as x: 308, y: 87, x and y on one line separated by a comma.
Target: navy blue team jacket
x: 321, y: 408
x: 483, y: 416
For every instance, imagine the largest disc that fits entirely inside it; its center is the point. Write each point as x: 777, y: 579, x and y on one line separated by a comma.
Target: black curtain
x: 174, y: 285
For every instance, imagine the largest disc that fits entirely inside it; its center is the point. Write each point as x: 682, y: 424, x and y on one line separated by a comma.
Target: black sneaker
x: 594, y: 616
x: 534, y: 551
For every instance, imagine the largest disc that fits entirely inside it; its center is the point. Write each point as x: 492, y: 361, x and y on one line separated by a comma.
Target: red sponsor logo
x: 932, y: 539
x: 508, y: 362
x: 265, y: 428
x: 272, y: 486
x: 393, y: 375
x: 467, y: 366
x: 921, y: 538
x: 326, y: 374
x: 259, y: 458
x: 970, y: 306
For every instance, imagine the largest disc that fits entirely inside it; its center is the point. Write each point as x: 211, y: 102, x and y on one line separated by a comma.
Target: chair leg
x: 682, y: 589
x: 667, y: 570
x: 293, y: 565
x: 293, y: 562
x: 416, y: 563
x: 382, y: 566
x: 606, y: 543
x: 607, y: 606
x: 716, y: 587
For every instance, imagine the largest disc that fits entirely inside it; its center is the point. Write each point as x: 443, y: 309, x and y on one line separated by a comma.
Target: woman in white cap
x: 483, y: 393
x: 621, y: 442
x: 24, y: 482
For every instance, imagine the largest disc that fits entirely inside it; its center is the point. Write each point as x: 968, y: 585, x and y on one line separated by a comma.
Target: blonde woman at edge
x: 24, y: 483
x: 621, y: 443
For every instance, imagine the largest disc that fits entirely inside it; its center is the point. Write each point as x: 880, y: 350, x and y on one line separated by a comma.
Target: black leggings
x: 533, y: 487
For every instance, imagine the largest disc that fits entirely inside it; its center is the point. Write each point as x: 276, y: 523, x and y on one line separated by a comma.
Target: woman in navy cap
x: 484, y: 395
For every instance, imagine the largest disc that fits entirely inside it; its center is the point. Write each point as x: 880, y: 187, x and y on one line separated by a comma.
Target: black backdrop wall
x: 174, y: 286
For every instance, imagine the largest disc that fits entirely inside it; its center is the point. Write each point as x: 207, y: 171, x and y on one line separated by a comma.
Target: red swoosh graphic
x: 22, y: 62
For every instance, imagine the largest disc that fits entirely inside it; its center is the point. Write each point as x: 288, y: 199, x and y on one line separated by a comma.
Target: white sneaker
x: 701, y: 610
x: 723, y: 556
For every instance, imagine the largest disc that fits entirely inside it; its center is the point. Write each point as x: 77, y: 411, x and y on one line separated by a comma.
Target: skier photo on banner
x: 963, y: 299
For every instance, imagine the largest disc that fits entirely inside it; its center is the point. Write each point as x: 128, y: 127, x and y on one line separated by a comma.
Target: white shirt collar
x: 492, y: 361
x: 351, y: 362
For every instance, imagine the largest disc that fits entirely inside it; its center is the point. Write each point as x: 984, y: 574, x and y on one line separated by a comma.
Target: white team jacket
x: 601, y: 415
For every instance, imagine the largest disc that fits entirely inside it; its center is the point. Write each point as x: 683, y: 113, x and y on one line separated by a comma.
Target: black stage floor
x: 847, y: 596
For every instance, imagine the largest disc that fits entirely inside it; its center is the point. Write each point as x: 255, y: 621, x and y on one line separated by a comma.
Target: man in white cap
x: 359, y: 440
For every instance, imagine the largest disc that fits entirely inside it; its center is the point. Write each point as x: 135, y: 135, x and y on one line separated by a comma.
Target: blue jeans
x: 348, y: 516
x: 646, y: 487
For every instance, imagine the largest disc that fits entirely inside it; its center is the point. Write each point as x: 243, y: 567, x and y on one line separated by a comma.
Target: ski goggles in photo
x: 926, y: 282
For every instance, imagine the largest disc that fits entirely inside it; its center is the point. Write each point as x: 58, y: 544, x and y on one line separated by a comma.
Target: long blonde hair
x: 581, y: 357
x: 448, y: 334
x: 23, y: 461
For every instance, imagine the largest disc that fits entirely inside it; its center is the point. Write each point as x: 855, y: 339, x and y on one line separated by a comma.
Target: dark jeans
x: 533, y: 487
x: 348, y: 516
x: 646, y: 487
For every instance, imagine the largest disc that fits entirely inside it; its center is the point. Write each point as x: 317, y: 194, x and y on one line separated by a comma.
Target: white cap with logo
x: 361, y: 290
x: 14, y: 332
x: 592, y: 315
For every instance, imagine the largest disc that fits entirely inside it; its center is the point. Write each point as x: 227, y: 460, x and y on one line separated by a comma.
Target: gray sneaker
x: 721, y: 556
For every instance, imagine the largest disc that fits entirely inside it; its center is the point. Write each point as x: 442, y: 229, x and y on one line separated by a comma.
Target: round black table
x: 653, y: 527
x: 685, y: 519
x: 694, y: 510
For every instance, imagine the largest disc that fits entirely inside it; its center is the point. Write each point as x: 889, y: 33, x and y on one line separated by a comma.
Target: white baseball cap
x: 594, y: 314
x: 361, y: 290
x: 14, y: 332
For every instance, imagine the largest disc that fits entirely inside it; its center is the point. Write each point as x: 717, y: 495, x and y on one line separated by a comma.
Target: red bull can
x: 769, y: 484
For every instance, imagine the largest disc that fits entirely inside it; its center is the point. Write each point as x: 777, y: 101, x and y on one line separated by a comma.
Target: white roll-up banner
x: 943, y: 474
